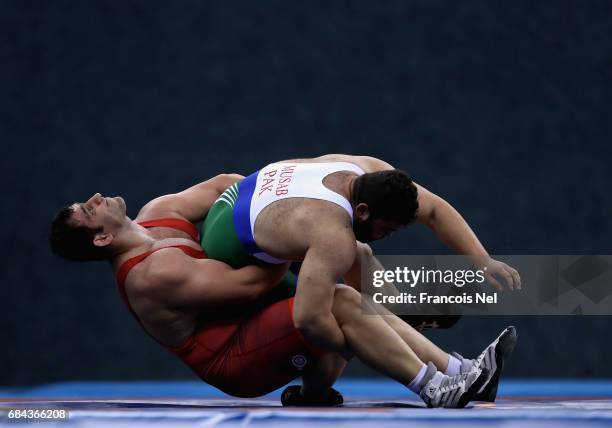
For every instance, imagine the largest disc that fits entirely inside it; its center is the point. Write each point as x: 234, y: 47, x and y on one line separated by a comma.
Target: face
x: 99, y: 211
x: 372, y: 230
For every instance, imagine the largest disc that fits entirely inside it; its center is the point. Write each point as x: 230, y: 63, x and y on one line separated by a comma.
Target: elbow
x: 303, y: 323
x: 230, y: 178
x: 222, y: 181
x: 431, y: 218
x: 364, y: 251
x: 313, y: 327
x: 254, y: 292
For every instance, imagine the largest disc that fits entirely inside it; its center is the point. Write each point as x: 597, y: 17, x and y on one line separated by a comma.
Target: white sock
x: 454, y: 366
x: 415, y: 384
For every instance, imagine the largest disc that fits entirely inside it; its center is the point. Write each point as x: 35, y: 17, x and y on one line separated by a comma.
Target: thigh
x: 266, y: 353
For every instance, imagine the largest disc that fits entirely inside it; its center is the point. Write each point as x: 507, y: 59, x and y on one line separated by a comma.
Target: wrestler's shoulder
x: 320, y: 212
x: 367, y: 163
x: 160, y: 207
x: 166, y: 266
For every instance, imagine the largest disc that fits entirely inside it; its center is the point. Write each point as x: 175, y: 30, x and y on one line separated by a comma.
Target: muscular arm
x: 434, y: 212
x: 441, y: 218
x: 194, y: 202
x: 447, y: 224
x: 330, y: 255
x: 186, y: 282
x: 453, y: 230
x: 364, y: 266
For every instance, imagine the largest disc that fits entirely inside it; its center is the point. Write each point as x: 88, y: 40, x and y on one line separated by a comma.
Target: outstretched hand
x: 496, y: 271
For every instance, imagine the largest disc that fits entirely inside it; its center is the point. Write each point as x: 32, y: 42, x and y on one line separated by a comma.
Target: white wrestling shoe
x: 440, y: 390
x: 492, y: 358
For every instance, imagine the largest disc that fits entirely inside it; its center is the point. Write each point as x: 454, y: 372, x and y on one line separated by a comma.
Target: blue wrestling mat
x: 369, y: 403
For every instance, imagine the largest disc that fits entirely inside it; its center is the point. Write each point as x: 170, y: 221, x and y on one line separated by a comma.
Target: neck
x: 130, y: 237
x: 349, y: 188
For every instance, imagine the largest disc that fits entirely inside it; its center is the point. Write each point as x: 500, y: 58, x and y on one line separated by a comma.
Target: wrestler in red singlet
x: 244, y: 356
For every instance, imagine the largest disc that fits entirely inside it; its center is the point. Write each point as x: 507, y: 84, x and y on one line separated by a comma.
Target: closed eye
x: 87, y: 210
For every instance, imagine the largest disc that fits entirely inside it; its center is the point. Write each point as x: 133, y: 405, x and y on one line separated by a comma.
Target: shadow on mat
x: 192, y: 404
x: 387, y: 404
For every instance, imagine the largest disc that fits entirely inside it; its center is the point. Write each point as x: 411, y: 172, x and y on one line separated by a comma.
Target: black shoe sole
x: 503, y: 350
x: 471, y: 392
x: 292, y: 397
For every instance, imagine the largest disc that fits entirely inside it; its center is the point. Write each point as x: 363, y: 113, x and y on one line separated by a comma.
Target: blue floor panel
x: 369, y: 403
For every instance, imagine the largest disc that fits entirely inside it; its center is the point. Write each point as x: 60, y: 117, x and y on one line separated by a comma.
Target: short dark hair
x: 74, y: 242
x: 390, y: 195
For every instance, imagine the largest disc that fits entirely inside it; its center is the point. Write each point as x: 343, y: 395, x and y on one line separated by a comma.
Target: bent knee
x: 364, y: 250
x: 306, y: 321
x: 345, y: 299
x: 346, y: 293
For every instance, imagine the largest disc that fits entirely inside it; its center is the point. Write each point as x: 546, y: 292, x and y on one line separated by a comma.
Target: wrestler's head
x: 382, y: 202
x: 85, y: 231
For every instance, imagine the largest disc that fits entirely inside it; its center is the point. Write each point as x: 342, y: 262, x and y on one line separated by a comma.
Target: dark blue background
x: 503, y: 108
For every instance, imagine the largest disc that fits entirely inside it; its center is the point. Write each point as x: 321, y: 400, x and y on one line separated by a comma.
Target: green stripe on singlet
x: 219, y: 238
x: 229, y: 196
x: 220, y: 242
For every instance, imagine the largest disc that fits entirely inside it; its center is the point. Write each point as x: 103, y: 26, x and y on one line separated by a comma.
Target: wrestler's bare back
x: 283, y: 229
x: 170, y: 291
x: 170, y: 326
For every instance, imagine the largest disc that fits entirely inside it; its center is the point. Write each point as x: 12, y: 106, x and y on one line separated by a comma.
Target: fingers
x: 517, y: 278
x: 494, y: 282
x: 505, y: 273
x: 501, y: 270
x: 512, y: 277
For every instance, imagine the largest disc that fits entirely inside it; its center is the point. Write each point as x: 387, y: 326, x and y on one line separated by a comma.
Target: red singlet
x: 243, y: 356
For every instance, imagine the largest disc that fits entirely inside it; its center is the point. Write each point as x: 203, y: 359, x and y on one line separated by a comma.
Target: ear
x: 362, y: 211
x: 103, y: 239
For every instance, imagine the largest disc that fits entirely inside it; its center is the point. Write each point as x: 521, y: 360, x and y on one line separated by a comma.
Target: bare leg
x: 385, y: 343
x: 372, y: 340
x: 423, y: 347
x: 365, y: 264
x: 377, y: 344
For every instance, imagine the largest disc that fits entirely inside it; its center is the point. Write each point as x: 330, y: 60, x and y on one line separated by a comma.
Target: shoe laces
x: 454, y: 382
